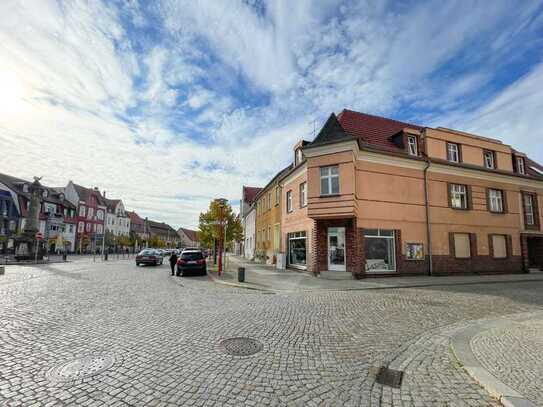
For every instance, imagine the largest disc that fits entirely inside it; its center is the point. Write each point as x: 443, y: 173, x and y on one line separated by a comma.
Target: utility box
x: 281, y: 263
x: 241, y: 274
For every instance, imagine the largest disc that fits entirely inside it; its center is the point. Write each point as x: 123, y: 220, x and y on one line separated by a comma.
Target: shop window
x: 414, y: 251
x: 297, y: 249
x: 462, y: 248
x: 380, y: 250
x: 499, y: 246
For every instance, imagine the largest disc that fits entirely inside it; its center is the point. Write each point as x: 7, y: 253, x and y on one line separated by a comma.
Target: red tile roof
x: 135, y: 218
x: 249, y: 193
x: 191, y: 234
x: 373, y: 130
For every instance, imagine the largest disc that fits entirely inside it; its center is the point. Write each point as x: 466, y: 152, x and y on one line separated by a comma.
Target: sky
x: 169, y: 104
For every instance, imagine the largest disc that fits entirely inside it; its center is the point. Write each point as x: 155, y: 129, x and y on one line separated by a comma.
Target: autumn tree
x: 209, y: 225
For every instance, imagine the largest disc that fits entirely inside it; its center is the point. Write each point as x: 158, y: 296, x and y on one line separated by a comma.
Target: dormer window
x: 489, y: 159
x: 520, y: 165
x: 25, y: 187
x: 453, y: 152
x: 412, y: 147
x: 299, y: 156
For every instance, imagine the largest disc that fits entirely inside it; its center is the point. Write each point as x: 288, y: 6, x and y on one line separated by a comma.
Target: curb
x: 461, y: 347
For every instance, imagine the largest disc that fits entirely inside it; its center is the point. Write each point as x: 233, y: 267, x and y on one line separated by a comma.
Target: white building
x: 248, y: 195
x: 117, y: 219
x: 249, y: 232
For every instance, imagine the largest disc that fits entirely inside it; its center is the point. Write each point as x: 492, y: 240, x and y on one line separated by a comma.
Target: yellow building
x: 268, y: 220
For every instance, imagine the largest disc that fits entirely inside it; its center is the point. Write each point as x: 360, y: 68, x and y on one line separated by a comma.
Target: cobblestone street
x: 152, y: 339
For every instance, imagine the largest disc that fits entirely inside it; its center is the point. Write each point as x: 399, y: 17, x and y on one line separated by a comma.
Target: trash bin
x: 64, y: 256
x: 241, y: 274
x: 105, y: 256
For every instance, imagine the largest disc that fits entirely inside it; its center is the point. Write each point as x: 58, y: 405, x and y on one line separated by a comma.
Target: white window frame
x: 495, y: 200
x: 520, y: 165
x: 488, y: 157
x: 82, y: 211
x: 453, y: 151
x: 326, y: 173
x: 303, y: 194
x: 289, y: 201
x: 457, y: 192
x: 529, y: 209
x: 412, y: 146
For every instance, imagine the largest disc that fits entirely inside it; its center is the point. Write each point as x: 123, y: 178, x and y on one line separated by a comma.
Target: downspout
x: 427, y: 207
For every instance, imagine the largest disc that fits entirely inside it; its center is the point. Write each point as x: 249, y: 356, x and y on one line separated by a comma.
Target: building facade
x: 117, y: 219
x: 9, y: 218
x: 90, y: 216
x: 188, y: 237
x: 138, y: 230
x: 268, y: 220
x: 376, y: 197
x: 248, y: 221
x: 164, y: 232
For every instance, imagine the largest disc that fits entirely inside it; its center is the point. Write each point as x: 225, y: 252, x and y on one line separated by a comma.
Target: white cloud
x: 213, y: 95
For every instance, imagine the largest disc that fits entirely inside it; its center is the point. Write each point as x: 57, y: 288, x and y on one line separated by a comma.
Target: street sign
x: 39, y: 236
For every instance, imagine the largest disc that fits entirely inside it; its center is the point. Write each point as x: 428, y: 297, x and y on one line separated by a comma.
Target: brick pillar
x: 524, y: 253
x: 358, y: 252
x: 312, y: 264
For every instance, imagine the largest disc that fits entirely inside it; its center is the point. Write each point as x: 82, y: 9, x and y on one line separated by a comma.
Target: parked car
x: 191, y: 262
x: 149, y: 256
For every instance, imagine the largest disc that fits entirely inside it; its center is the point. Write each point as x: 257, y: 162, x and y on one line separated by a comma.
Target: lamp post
x: 222, y: 235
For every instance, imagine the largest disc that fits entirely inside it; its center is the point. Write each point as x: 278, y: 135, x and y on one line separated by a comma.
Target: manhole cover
x: 389, y: 377
x: 241, y: 346
x: 82, y: 367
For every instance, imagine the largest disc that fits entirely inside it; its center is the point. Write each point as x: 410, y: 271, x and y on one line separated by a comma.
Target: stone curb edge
x: 461, y: 347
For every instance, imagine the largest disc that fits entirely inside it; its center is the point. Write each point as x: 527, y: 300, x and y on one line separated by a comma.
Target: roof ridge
x: 379, y: 117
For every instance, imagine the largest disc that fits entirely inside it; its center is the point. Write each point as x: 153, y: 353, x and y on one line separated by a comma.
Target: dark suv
x: 191, y: 262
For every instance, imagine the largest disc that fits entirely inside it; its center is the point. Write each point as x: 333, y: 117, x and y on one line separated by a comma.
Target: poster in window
x: 414, y: 251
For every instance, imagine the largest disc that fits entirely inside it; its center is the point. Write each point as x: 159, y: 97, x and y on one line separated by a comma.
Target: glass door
x: 336, y: 249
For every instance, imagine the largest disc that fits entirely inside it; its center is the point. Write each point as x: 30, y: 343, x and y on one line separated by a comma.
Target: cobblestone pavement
x: 514, y: 354
x: 154, y: 339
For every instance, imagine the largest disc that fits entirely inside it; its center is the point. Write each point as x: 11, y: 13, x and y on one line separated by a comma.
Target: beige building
x: 374, y: 196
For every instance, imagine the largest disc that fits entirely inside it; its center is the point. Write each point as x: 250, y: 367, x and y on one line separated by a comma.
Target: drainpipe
x: 427, y: 207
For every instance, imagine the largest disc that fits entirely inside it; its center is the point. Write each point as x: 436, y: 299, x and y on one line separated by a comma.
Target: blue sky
x: 168, y: 104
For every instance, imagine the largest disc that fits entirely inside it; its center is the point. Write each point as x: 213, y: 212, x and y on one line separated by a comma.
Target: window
x: 88, y: 227
x: 520, y: 165
x: 529, y: 209
x: 90, y: 213
x: 453, y: 152
x: 12, y: 225
x: 82, y: 211
x: 495, y: 200
x: 330, y: 180
x: 489, y: 159
x: 412, y: 147
x: 303, y: 194
x: 99, y: 229
x: 100, y: 214
x: 380, y: 250
x: 71, y: 228
x: 499, y: 246
x: 297, y: 249
x: 276, y: 237
x: 269, y: 233
x: 462, y: 249
x: 80, y: 227
x: 458, y: 196
x: 289, y: 201
x: 277, y: 195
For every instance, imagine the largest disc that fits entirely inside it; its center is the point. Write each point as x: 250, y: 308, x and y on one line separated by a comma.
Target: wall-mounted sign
x: 414, y: 251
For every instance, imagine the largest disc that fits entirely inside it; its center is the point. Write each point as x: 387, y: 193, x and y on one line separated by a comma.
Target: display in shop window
x: 414, y: 251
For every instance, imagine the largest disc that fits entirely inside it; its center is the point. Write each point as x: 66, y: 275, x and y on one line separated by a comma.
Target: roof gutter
x: 427, y: 207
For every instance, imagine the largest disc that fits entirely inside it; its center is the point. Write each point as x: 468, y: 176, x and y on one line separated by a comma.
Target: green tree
x: 209, y: 227
x: 156, y: 242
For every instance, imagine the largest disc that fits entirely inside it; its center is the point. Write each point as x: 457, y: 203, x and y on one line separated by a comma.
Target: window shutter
x: 536, y: 210
x: 504, y: 201
x: 470, y: 197
x: 488, y: 200
x: 449, y: 200
x: 514, y: 158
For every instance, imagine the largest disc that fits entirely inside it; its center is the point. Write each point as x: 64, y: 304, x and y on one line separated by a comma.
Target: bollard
x: 64, y: 256
x: 241, y: 274
x: 105, y: 256
x: 2, y: 270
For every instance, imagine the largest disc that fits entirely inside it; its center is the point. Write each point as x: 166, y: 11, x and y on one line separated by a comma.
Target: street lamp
x: 222, y: 232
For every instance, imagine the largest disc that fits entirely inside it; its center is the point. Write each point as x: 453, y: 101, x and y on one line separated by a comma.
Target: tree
x: 209, y: 228
x: 156, y: 242
x: 124, y: 241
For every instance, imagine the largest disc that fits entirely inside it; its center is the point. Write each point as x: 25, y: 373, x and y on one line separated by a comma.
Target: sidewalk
x: 267, y: 278
x: 505, y: 356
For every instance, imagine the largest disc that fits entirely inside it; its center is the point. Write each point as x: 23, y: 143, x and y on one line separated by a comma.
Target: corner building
x: 375, y: 197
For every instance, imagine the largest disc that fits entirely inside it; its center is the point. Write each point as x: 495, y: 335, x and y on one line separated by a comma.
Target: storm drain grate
x: 82, y: 367
x: 389, y: 377
x: 241, y: 346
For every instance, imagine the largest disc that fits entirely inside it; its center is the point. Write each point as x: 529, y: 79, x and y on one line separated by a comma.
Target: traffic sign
x: 39, y: 236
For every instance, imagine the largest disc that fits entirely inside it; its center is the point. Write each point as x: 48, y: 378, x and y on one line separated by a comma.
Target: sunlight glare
x: 11, y: 93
